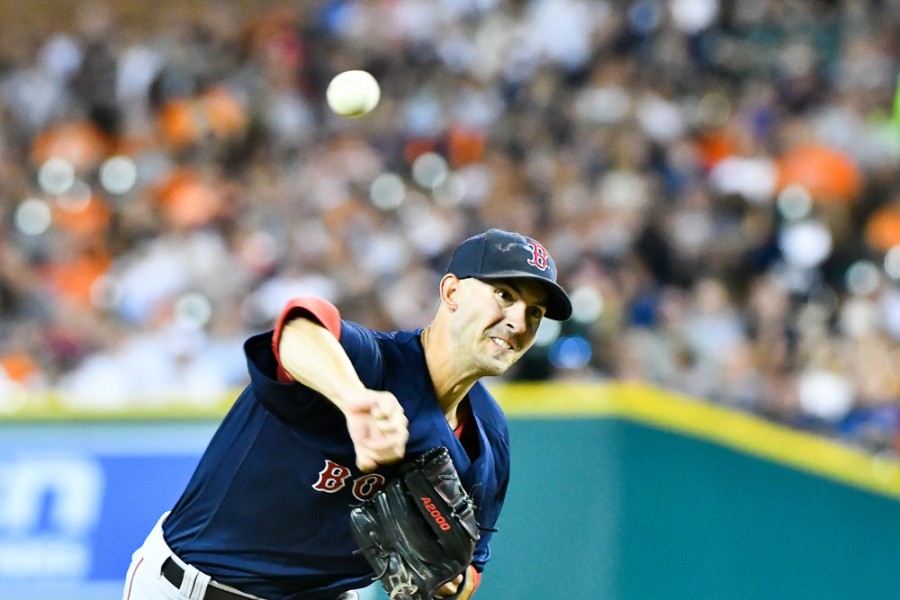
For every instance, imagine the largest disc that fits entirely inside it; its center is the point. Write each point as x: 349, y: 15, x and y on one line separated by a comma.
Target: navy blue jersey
x: 267, y: 510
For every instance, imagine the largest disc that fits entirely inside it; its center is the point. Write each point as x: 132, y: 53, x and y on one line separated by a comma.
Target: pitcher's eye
x: 536, y: 312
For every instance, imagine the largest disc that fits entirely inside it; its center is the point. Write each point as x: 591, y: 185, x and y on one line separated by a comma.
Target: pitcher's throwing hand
x: 378, y: 428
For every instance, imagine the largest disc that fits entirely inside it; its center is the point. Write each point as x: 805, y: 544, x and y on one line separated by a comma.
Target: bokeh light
x: 794, y: 203
x: 56, y: 176
x: 806, y: 244
x: 387, y: 191
x: 547, y: 332
x: 192, y: 311
x: 693, y: 16
x: 825, y: 394
x: 892, y: 262
x: 587, y: 304
x: 429, y: 170
x: 570, y: 352
x: 33, y: 216
x: 863, y: 278
x: 118, y: 174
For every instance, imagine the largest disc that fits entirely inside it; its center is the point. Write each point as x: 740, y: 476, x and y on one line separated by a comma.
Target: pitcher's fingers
x: 365, y: 462
x: 387, y: 446
x: 388, y: 425
x: 449, y: 588
x: 386, y: 405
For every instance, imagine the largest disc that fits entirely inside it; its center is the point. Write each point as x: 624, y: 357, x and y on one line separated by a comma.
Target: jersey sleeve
x: 293, y: 401
x: 359, y: 343
x: 364, y: 352
x: 319, y: 310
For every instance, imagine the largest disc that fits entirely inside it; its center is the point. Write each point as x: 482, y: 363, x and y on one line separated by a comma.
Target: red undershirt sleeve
x: 476, y: 578
x: 470, y: 584
x: 321, y: 311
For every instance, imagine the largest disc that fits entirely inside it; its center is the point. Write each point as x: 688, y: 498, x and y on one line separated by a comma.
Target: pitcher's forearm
x: 313, y: 357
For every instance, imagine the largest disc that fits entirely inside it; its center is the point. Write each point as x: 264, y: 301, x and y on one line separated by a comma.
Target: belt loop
x: 194, y: 584
x: 200, y: 586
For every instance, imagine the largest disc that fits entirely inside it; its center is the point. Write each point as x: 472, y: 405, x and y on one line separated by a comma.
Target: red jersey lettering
x: 332, y: 478
x: 365, y: 487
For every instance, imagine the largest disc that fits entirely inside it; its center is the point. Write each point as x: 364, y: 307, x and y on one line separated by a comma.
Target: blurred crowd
x: 717, y: 182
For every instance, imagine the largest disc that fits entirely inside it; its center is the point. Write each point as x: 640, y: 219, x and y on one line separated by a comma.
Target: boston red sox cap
x: 498, y: 254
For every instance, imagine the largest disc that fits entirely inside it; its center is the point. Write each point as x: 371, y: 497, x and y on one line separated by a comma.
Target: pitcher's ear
x: 450, y: 290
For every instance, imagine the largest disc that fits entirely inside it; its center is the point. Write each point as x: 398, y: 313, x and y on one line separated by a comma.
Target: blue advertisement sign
x: 76, y: 499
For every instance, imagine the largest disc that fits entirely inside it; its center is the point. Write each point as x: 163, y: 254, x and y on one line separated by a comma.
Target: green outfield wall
x: 619, y: 492
x: 628, y: 493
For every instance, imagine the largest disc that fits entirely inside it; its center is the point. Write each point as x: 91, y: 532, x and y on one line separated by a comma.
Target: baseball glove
x: 418, y: 531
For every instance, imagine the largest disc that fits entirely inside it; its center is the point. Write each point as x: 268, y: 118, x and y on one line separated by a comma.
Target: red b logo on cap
x: 539, y: 257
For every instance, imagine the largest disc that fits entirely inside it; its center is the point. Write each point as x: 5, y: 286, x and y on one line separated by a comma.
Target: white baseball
x: 353, y: 93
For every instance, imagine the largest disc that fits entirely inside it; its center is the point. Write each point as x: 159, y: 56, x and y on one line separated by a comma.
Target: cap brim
x: 559, y: 307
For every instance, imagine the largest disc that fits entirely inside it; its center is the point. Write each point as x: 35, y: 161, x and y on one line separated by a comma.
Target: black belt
x: 175, y: 575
